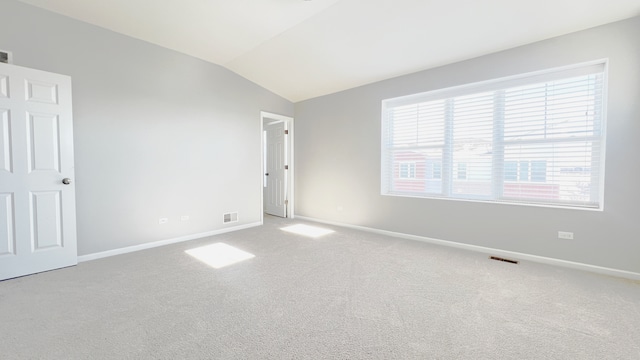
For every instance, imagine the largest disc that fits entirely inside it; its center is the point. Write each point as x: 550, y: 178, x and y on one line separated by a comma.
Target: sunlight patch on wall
x: 219, y: 255
x: 307, y: 230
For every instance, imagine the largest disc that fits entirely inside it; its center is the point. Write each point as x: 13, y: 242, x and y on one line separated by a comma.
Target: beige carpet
x: 346, y: 295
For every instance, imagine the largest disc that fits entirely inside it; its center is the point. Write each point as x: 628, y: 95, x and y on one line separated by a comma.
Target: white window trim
x: 507, y: 82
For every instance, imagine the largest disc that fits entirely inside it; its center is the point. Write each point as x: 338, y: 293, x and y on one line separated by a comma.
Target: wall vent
x: 5, y: 57
x: 503, y: 259
x: 230, y: 217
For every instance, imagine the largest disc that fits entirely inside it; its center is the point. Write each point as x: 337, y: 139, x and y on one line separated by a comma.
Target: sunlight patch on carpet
x: 307, y: 230
x: 219, y: 255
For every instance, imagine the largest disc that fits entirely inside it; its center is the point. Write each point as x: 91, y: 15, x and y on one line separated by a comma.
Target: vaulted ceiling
x: 304, y: 49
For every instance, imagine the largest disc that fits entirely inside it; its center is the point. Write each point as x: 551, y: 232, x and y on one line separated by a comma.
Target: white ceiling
x: 303, y: 49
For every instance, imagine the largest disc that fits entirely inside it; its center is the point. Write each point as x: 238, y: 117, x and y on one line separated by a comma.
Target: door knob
x: 66, y: 181
x: 267, y: 174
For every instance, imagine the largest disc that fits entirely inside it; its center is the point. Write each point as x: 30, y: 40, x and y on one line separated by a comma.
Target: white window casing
x: 536, y: 138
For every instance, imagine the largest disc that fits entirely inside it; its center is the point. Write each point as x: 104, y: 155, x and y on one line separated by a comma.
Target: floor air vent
x: 230, y: 217
x: 503, y: 259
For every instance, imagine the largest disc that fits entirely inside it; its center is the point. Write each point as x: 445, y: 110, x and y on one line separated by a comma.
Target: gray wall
x: 338, y: 159
x: 157, y: 133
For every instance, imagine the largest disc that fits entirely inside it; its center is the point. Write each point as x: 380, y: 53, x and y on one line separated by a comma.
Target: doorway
x: 277, y: 165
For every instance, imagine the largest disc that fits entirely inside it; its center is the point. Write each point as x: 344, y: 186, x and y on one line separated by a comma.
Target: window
x: 539, y: 171
x: 536, y: 139
x: 523, y: 171
x: 434, y: 169
x: 519, y: 170
x: 407, y: 170
x: 462, y: 171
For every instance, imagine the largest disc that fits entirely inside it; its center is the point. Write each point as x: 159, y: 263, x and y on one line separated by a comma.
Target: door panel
x: 42, y: 92
x: 5, y: 138
x: 46, y: 220
x: 37, y: 211
x: 7, y: 233
x: 44, y: 140
x: 4, y: 86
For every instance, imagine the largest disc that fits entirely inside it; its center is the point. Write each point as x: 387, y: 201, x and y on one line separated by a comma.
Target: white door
x: 276, y: 177
x: 37, y: 208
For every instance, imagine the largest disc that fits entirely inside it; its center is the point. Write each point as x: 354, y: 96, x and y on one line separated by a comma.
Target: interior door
x: 276, y: 162
x: 37, y: 195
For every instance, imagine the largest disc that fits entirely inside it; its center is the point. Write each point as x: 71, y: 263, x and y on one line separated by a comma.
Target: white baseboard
x: 503, y: 253
x: 154, y: 244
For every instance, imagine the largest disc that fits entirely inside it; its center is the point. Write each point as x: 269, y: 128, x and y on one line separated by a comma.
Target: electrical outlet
x: 163, y: 221
x: 230, y: 217
x: 184, y: 218
x: 565, y: 235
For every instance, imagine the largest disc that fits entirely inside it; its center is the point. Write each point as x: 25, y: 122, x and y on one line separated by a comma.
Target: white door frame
x: 266, y: 116
x: 276, y: 162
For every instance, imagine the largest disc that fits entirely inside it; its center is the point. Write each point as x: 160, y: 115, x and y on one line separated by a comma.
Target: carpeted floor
x: 346, y: 295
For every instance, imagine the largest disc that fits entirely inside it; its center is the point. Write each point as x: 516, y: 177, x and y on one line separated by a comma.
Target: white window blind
x: 536, y: 138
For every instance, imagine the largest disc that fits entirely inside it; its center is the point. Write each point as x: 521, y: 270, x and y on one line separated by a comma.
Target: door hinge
x: 286, y: 132
x: 286, y: 167
x: 286, y: 202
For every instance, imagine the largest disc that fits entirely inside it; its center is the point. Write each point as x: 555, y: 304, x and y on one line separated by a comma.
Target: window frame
x: 410, y: 170
x: 534, y: 176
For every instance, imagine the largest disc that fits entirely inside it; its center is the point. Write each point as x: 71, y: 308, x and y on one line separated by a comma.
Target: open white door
x: 37, y: 197
x: 275, y: 172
